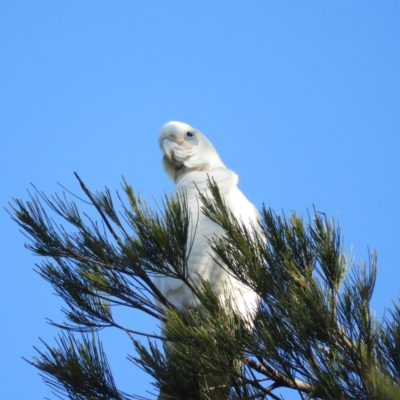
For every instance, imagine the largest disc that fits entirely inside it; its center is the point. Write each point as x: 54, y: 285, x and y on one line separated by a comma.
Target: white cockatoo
x: 190, y: 160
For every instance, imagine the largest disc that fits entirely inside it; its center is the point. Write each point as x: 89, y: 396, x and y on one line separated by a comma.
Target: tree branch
x: 277, y: 376
x: 86, y: 190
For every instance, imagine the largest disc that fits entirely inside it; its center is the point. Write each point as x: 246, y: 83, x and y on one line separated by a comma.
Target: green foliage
x: 78, y: 369
x: 314, y: 331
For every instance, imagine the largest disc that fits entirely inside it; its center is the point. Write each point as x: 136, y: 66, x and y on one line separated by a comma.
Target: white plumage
x: 189, y: 160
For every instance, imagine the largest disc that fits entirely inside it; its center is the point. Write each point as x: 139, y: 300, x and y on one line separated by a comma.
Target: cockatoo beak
x: 174, y: 143
x: 169, y: 147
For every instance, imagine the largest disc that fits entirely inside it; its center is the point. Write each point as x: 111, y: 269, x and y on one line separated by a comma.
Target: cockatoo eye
x: 191, y: 137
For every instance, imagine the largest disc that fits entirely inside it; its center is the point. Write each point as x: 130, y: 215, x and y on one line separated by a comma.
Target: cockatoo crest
x: 186, y: 149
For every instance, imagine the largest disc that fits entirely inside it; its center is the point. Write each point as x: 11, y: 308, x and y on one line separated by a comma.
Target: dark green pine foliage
x: 314, y: 332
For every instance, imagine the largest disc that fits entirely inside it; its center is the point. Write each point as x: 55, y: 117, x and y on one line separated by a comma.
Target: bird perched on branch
x: 190, y: 160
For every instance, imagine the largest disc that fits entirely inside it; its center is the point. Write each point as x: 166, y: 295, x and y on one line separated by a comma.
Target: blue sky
x: 300, y: 98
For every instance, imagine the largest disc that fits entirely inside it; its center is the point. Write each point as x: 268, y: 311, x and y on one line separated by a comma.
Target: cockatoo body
x: 190, y: 160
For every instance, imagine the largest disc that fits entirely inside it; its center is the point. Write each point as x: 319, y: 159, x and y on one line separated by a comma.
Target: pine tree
x: 314, y: 332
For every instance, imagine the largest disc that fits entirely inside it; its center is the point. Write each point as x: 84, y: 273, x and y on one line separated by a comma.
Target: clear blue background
x: 300, y: 98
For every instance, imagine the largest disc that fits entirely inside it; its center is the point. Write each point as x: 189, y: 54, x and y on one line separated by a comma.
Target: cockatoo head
x: 186, y: 149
